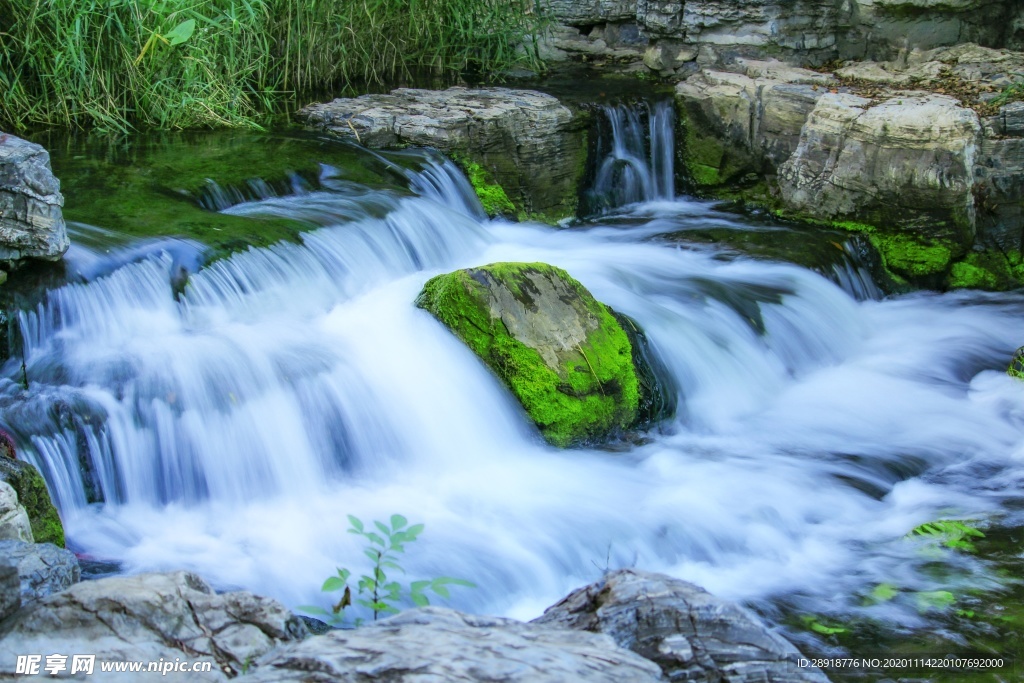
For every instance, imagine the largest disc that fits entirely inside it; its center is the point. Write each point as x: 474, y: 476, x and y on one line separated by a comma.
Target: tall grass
x: 117, y: 64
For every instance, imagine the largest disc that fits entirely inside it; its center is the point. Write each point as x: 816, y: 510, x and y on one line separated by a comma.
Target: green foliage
x: 1016, y: 367
x: 30, y: 486
x: 824, y: 628
x: 378, y: 592
x: 950, y: 533
x: 596, y: 391
x: 1013, y: 92
x: 115, y: 64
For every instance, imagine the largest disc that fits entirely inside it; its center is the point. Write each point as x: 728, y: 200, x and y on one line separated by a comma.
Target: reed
x: 119, y: 64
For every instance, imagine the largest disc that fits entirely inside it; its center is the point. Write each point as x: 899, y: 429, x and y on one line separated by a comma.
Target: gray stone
x: 907, y: 162
x: 14, y: 524
x: 688, y: 632
x: 437, y: 644
x: 532, y: 145
x: 149, y: 617
x: 10, y: 590
x: 31, y: 222
x: 43, y: 568
x: 590, y: 12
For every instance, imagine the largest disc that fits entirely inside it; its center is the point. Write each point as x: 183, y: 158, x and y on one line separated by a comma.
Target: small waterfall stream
x: 229, y: 426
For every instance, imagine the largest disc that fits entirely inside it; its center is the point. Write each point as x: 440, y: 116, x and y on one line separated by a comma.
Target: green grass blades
x: 118, y: 64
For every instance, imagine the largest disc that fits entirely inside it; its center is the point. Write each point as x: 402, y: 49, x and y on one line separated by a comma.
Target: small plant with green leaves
x: 376, y: 591
x: 1016, y: 367
x: 951, y: 533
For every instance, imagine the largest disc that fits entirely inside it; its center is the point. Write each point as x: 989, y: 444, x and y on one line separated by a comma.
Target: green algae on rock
x: 561, y: 352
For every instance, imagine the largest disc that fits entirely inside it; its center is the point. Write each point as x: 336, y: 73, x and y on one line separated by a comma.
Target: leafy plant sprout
x: 376, y: 591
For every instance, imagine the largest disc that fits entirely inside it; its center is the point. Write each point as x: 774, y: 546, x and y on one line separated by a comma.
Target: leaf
x: 181, y: 33
x: 418, y: 586
x: 374, y: 555
x: 884, y: 592
x: 398, y: 521
x: 413, y: 531
x: 374, y: 538
x: 346, y: 600
x: 356, y: 523
x: 420, y: 600
x: 313, y: 609
x: 448, y: 580
x: 934, y: 600
x: 390, y: 564
x: 441, y: 590
x: 333, y: 583
x: 384, y: 529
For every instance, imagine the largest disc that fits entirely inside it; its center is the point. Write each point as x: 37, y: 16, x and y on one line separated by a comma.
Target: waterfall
x: 633, y: 156
x: 229, y: 426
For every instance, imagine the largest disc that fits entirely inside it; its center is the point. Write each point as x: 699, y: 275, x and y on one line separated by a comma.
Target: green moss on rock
x: 492, y: 196
x: 561, y: 352
x: 33, y: 496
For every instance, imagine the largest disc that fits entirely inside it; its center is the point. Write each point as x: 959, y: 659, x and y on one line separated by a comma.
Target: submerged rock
x: 150, y: 617
x: 689, y: 633
x: 561, y: 352
x: 438, y: 644
x: 528, y: 143
x: 31, y: 223
x: 43, y: 568
x: 33, y: 495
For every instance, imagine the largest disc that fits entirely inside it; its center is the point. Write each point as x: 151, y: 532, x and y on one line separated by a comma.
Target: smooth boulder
x: 149, y: 617
x: 31, y: 220
x: 689, y: 633
x: 438, y: 644
x: 561, y: 352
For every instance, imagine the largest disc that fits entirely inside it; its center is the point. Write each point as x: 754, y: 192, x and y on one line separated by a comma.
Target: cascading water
x: 633, y: 156
x: 229, y: 427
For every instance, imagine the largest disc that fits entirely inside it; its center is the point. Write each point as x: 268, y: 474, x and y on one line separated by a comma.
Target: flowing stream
x: 229, y: 425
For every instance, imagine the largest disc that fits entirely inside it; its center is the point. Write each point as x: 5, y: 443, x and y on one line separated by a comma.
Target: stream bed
x: 224, y: 408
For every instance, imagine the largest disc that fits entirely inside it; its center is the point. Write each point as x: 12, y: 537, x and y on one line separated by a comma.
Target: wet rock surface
x: 43, y: 568
x: 688, y: 632
x: 531, y: 144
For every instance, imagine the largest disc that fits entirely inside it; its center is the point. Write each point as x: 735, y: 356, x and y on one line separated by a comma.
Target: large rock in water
x: 31, y: 222
x: 438, y: 644
x: 561, y: 352
x: 689, y: 633
x: 147, y: 618
x: 527, y: 142
x: 33, y: 495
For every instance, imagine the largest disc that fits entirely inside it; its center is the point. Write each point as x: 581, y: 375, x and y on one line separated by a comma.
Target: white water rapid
x: 231, y: 427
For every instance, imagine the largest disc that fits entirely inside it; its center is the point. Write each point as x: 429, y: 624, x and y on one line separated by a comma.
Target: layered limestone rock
x: 173, y: 617
x: 590, y: 12
x: 920, y: 153
x: 689, y: 633
x: 31, y: 222
x: 437, y: 644
x: 526, y: 142
x: 561, y: 352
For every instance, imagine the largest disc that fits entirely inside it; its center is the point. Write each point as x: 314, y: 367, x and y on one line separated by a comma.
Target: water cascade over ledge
x: 229, y: 426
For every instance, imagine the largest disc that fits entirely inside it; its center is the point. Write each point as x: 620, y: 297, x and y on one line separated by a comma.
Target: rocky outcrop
x: 919, y: 153
x: 439, y: 644
x: 10, y: 590
x: 561, y: 352
x: 31, y: 223
x: 147, y: 618
x: 689, y: 633
x: 528, y: 143
x: 43, y: 568
x: 14, y: 524
x: 589, y: 12
x: 33, y: 495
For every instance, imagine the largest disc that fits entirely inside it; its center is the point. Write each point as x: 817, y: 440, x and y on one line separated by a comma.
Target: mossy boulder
x: 561, y: 352
x: 33, y: 496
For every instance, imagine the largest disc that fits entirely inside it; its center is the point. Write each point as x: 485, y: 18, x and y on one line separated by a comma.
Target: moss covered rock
x: 33, y: 496
x: 561, y: 352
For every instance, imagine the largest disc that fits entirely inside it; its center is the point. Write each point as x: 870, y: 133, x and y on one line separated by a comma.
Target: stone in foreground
x: 43, y: 568
x: 528, y: 142
x: 149, y: 617
x: 438, y: 644
x: 561, y: 352
x: 31, y: 222
x: 689, y: 633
